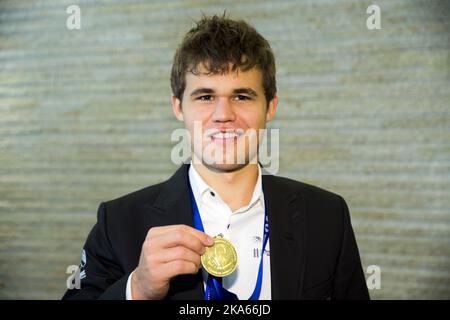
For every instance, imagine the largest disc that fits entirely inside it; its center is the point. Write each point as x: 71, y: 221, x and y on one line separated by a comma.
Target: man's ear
x: 176, y: 108
x: 272, y: 109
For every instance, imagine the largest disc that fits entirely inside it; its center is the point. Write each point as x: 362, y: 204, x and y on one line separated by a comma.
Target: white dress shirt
x: 243, y: 227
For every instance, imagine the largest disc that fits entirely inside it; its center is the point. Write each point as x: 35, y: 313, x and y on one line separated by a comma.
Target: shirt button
x: 212, y: 193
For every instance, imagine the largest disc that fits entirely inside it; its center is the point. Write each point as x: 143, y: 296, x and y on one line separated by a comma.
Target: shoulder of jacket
x: 299, y: 187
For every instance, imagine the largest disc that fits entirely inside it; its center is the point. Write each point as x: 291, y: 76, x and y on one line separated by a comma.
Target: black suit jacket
x: 313, y: 251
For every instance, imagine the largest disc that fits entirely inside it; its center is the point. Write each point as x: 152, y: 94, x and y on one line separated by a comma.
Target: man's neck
x: 235, y: 188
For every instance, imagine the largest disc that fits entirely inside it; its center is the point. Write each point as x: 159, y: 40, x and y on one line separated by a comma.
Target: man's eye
x: 205, y: 98
x: 242, y: 97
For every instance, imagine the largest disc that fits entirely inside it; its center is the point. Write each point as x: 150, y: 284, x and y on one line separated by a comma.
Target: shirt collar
x: 200, y: 187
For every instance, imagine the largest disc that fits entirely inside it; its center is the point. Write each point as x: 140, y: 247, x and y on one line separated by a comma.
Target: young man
x: 286, y: 239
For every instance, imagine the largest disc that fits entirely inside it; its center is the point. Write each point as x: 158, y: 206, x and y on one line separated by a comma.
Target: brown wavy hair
x: 218, y: 42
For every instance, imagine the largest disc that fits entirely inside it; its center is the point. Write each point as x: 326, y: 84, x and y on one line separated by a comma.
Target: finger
x: 177, y: 238
x: 177, y: 267
x: 179, y: 253
x: 203, y: 237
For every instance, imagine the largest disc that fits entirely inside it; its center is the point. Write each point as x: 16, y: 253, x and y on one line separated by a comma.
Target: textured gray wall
x: 85, y: 117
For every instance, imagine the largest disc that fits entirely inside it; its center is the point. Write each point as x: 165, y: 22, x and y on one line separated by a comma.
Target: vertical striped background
x: 85, y: 117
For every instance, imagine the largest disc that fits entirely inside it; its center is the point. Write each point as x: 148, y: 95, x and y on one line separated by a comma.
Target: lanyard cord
x: 214, y: 289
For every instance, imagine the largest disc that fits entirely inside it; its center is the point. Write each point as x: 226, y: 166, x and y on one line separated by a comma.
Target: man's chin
x: 224, y: 167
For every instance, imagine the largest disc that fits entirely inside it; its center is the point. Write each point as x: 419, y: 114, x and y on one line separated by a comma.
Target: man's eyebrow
x: 201, y: 90
x: 247, y: 90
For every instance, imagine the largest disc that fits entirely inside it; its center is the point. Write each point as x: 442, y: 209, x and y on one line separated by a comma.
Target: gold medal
x: 220, y: 260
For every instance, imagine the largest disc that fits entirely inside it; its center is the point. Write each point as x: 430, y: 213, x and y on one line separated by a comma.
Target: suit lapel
x: 173, y: 205
x: 287, y: 224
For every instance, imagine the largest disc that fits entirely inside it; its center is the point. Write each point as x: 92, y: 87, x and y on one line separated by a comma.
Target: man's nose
x: 223, y: 111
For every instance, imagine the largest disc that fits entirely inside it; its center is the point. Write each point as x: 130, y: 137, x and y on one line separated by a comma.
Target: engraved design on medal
x: 220, y: 260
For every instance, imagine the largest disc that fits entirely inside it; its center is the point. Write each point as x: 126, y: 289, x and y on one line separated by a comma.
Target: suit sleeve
x: 349, y: 282
x: 101, y: 276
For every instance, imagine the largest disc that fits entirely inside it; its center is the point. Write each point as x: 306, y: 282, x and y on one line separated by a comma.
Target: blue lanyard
x: 214, y: 289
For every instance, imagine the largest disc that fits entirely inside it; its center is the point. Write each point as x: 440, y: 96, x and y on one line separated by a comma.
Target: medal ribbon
x: 214, y: 289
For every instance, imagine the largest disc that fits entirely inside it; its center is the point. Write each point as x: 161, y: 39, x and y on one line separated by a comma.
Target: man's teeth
x: 225, y: 135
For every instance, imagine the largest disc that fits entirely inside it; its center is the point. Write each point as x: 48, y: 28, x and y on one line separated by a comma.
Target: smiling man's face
x: 229, y: 108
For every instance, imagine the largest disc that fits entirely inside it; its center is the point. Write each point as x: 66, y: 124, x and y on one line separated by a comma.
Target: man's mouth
x: 226, y: 136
